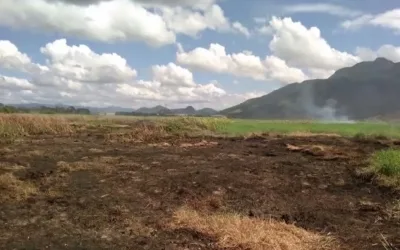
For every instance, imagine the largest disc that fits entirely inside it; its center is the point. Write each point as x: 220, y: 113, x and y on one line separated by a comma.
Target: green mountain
x: 365, y: 90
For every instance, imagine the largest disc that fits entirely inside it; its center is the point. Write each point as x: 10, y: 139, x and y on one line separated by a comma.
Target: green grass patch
x: 386, y: 162
x: 242, y: 127
x: 384, y: 166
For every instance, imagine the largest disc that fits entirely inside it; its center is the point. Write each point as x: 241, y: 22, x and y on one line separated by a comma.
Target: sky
x: 204, y: 53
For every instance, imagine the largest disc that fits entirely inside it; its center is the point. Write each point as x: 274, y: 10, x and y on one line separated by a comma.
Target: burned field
x: 86, y: 191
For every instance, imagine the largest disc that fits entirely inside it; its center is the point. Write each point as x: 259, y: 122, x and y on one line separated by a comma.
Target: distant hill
x: 363, y: 91
x: 93, y: 110
x: 154, y: 110
x: 161, y: 110
x: 157, y: 110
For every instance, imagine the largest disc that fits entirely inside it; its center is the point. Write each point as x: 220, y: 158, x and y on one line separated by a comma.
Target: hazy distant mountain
x: 189, y: 110
x: 93, y: 110
x: 207, y: 111
x: 111, y: 109
x: 365, y: 90
x: 154, y: 110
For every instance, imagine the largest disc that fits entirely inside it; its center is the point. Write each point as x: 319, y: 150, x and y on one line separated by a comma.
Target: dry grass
x: 18, y: 125
x: 103, y: 164
x: 309, y: 134
x: 13, y: 189
x: 235, y: 231
x: 14, y: 126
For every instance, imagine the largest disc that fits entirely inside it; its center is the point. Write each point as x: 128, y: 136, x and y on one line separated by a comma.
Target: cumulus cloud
x: 172, y: 74
x: 277, y: 69
x: 191, y: 22
x: 389, y: 19
x: 387, y: 51
x: 199, y: 4
x: 244, y: 64
x: 77, y: 75
x: 215, y: 59
x: 327, y: 8
x: 156, y: 22
x: 11, y: 58
x: 297, y: 53
x: 13, y: 83
x: 306, y: 48
x: 106, y: 21
x: 80, y: 63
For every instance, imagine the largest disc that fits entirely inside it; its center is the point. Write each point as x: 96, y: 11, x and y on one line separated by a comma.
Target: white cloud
x: 107, y: 21
x: 199, y: 4
x: 75, y: 74
x: 327, y: 8
x: 387, y: 51
x: 215, y: 59
x: 305, y: 48
x: 389, y: 19
x: 11, y: 58
x: 156, y: 23
x: 172, y: 74
x: 80, y: 63
x: 244, y: 64
x: 12, y: 83
x: 191, y: 22
x: 356, y: 23
x: 277, y: 69
x: 265, y: 29
x: 297, y: 53
x: 241, y: 29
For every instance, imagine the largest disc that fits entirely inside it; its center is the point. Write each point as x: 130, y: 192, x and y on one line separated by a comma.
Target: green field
x: 241, y: 127
x: 19, y: 124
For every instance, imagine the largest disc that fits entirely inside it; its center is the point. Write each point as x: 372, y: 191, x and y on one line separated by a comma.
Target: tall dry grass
x: 18, y: 125
x: 180, y: 124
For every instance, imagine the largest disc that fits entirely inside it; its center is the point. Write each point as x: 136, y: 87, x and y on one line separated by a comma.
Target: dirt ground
x: 94, y: 193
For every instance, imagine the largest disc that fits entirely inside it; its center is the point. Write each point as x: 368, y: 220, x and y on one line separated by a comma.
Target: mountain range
x: 366, y: 90
x: 189, y: 110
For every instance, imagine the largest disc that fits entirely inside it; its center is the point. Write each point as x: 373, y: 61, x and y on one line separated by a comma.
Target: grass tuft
x: 384, y: 166
x: 13, y: 189
x: 386, y: 162
x: 235, y: 231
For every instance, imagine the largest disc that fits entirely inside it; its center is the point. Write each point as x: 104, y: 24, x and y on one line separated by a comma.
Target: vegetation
x: 385, y: 166
x: 201, y: 182
x: 387, y: 162
x: 242, y: 127
x: 17, y: 125
x: 235, y: 231
x: 44, y: 110
x: 13, y: 189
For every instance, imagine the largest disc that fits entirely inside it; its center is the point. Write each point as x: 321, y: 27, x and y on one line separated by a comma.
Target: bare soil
x: 96, y: 193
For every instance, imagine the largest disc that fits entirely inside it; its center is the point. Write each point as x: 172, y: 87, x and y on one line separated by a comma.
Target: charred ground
x: 88, y: 191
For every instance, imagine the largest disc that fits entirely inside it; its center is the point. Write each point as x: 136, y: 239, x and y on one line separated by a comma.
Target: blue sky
x: 149, y: 35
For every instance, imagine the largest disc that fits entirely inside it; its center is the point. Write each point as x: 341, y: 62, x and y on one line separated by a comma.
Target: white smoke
x: 327, y: 113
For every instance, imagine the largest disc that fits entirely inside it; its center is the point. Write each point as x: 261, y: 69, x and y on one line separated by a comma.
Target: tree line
x: 43, y: 110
